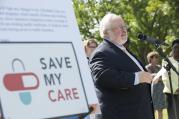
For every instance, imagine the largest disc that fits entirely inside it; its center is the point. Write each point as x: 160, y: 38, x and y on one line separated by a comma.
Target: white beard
x: 124, y: 40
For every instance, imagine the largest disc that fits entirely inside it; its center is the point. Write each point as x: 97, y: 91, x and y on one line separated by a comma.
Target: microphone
x: 152, y: 40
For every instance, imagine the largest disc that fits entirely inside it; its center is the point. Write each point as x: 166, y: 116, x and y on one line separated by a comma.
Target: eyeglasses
x: 123, y: 27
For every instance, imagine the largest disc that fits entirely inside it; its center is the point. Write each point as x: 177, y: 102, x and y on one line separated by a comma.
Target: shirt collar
x: 117, y: 44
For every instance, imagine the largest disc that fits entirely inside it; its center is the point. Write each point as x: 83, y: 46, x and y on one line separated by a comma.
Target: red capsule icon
x: 21, y: 81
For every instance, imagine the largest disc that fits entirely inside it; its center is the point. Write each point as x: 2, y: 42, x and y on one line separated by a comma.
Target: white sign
x: 42, y: 80
x: 44, y: 21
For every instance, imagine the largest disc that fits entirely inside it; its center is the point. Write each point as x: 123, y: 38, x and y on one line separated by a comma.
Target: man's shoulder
x: 103, y: 47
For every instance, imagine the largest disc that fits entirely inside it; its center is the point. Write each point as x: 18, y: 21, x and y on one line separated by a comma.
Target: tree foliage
x: 156, y: 18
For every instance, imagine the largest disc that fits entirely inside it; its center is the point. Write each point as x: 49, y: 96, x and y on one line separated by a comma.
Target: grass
x: 165, y: 115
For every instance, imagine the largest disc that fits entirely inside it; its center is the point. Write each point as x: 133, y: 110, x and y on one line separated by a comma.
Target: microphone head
x: 142, y: 36
x: 152, y: 40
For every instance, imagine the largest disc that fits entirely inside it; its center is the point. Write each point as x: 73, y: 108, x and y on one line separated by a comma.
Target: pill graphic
x: 17, y: 81
x: 21, y: 82
x: 25, y: 97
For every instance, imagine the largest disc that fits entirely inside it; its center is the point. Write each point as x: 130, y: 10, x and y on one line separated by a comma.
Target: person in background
x: 174, y: 59
x: 157, y: 92
x: 90, y: 46
x: 122, y: 82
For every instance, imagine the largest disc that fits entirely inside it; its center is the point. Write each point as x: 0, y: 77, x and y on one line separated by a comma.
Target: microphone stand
x: 168, y: 67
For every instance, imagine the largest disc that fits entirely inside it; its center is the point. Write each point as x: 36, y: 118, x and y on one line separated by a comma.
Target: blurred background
x: 156, y: 18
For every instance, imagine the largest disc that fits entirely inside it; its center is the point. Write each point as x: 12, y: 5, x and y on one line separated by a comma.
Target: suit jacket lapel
x: 137, y: 59
x: 120, y: 51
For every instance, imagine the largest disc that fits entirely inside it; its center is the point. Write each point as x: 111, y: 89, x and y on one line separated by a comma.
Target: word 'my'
x: 52, y: 64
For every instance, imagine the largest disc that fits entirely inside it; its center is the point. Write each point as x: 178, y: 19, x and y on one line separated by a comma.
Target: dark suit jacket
x: 114, y: 74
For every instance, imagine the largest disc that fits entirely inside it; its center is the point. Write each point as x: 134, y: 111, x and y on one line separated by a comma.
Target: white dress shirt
x: 133, y: 59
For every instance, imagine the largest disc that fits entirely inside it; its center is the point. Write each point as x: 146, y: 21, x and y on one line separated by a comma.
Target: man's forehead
x: 118, y: 21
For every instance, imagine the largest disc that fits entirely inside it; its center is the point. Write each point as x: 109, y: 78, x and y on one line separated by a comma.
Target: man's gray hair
x: 106, y: 23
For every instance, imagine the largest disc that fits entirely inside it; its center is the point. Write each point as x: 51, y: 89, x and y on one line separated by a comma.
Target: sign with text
x: 41, y: 79
x: 58, y: 67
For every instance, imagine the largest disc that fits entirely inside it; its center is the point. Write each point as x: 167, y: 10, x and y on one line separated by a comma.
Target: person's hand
x: 94, y: 107
x: 93, y: 110
x: 155, y: 80
x: 145, y: 77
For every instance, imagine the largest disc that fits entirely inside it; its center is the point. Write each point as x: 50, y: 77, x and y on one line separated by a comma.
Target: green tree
x: 157, y: 18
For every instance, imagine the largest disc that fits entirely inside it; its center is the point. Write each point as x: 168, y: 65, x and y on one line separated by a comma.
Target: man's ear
x: 105, y: 32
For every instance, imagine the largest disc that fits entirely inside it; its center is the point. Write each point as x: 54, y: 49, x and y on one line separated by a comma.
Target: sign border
x: 51, y: 42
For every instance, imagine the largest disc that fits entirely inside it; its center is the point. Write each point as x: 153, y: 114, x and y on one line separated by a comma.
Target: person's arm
x: 108, y: 77
x: 165, y: 77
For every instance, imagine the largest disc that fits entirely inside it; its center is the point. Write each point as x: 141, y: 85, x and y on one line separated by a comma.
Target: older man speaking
x: 123, y: 85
